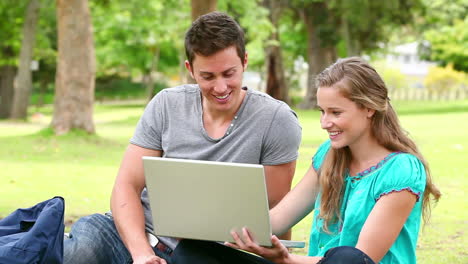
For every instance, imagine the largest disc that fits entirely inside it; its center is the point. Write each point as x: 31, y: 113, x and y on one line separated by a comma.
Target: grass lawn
x: 35, y: 166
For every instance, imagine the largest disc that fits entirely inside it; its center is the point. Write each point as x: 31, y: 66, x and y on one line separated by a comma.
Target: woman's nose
x: 325, y: 122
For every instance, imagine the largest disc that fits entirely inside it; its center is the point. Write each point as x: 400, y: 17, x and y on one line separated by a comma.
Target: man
x: 217, y: 119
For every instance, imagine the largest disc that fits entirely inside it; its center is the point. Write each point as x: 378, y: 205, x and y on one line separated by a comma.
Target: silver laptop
x: 205, y: 200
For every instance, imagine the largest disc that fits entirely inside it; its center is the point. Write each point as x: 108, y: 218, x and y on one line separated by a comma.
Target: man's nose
x: 220, y: 86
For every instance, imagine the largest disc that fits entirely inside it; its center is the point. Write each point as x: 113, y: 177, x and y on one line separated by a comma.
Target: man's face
x: 220, y: 79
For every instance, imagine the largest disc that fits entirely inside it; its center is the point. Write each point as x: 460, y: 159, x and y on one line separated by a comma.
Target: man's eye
x: 208, y: 78
x: 336, y: 113
x: 229, y: 74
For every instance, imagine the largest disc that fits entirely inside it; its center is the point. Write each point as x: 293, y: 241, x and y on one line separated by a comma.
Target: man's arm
x: 126, y: 203
x: 278, y: 180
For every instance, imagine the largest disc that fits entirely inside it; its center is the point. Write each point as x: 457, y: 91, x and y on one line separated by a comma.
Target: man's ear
x: 189, y: 68
x: 246, y: 60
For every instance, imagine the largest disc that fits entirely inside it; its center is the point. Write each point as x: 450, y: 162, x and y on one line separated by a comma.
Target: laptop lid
x: 205, y: 200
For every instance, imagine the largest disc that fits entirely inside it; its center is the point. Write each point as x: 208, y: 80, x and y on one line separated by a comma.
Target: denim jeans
x: 345, y: 255
x: 94, y: 240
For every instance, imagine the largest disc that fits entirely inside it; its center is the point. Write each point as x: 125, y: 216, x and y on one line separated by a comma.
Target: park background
x: 75, y: 76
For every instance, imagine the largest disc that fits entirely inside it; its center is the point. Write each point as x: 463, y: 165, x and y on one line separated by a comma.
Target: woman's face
x: 347, y: 124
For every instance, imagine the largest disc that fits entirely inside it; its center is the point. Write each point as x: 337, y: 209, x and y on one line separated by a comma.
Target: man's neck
x: 216, y: 122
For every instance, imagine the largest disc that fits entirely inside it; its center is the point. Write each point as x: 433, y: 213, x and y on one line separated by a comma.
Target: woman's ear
x: 370, y: 112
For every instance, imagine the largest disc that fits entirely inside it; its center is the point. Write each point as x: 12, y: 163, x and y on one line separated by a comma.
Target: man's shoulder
x: 264, y: 100
x: 263, y: 104
x: 177, y: 90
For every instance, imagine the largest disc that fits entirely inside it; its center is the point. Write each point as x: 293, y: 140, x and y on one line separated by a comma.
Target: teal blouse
x: 396, y: 172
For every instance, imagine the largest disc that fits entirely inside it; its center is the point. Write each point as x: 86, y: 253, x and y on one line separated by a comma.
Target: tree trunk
x: 74, y: 81
x: 42, y: 91
x: 276, y: 82
x: 24, y: 82
x: 150, y: 81
x: 319, y: 54
x: 7, y: 77
x: 201, y: 7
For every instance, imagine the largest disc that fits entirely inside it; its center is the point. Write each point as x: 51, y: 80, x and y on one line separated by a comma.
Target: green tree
x: 44, y: 49
x: 23, y: 89
x: 445, y: 29
x: 366, y: 24
x: 275, y: 76
x: 45, y: 52
x: 357, y: 25
x: 12, y: 13
x: 140, y: 38
x: 321, y: 24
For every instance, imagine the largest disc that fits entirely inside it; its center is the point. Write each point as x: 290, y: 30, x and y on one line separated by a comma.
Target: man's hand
x: 152, y: 259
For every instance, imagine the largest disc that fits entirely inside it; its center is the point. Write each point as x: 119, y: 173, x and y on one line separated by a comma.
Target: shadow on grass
x: 129, y: 121
x: 45, y: 146
x: 123, y: 105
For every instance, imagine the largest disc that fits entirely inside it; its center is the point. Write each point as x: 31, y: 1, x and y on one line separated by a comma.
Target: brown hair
x: 211, y: 33
x: 360, y: 83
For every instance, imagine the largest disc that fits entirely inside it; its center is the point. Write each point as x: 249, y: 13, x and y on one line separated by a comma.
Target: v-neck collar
x: 234, y: 121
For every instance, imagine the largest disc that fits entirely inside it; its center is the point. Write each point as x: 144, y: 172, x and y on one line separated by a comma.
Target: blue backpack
x: 33, y: 235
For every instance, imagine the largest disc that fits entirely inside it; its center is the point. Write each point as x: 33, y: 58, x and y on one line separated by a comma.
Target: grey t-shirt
x: 264, y: 131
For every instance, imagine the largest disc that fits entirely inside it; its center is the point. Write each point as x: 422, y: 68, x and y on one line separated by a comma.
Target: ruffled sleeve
x: 404, y: 173
x: 319, y: 156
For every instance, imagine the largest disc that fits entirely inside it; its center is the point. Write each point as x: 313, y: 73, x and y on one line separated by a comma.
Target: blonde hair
x: 359, y: 82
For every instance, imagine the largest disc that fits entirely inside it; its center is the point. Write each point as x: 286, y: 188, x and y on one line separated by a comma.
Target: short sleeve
x: 319, y: 156
x: 405, y: 172
x: 282, y: 140
x: 149, y: 128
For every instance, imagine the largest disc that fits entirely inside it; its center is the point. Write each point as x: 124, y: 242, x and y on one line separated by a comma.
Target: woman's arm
x: 379, y: 232
x: 277, y: 253
x: 384, y: 223
x: 296, y: 204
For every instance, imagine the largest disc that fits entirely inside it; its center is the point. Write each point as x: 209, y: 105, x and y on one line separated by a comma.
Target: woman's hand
x: 149, y: 260
x: 278, y: 253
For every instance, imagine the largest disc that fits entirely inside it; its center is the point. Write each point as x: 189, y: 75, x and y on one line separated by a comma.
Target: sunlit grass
x: 35, y: 165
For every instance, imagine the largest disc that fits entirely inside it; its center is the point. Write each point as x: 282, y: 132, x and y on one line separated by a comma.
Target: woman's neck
x: 366, y: 155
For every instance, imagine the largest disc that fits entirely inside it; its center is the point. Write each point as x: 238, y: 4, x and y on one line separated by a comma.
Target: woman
x: 368, y: 183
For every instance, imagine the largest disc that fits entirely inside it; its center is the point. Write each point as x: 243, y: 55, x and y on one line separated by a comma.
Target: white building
x: 405, y: 57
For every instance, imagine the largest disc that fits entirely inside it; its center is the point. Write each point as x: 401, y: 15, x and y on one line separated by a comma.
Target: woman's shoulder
x: 402, y: 161
x: 402, y: 171
x: 319, y: 156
